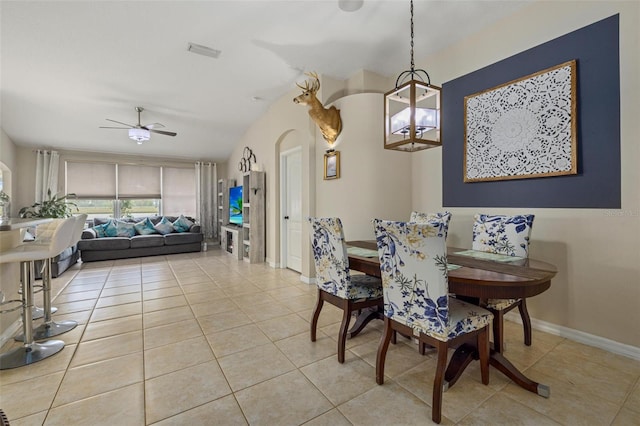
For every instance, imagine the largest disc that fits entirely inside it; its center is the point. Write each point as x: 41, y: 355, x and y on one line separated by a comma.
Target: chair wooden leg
x: 344, y: 328
x: 436, y: 405
x: 483, y: 353
x: 526, y: 321
x: 382, y: 350
x: 316, y: 315
x: 498, y: 330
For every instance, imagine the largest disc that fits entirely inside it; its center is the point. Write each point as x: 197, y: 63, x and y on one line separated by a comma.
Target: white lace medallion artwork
x: 522, y: 129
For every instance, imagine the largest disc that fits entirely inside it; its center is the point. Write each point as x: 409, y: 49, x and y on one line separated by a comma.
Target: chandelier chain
x: 412, y: 63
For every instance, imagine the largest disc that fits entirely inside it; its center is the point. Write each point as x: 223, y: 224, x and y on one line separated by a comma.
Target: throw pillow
x: 145, y: 227
x: 125, y: 229
x: 164, y: 227
x: 99, y: 230
x: 182, y: 224
x: 110, y: 229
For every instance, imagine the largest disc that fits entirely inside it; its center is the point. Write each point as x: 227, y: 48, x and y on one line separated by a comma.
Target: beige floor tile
x: 77, y: 296
x: 400, y: 357
x: 122, y: 282
x: 214, y: 307
x: 161, y: 292
x: 223, y: 321
x: 633, y: 400
x: 81, y: 305
x: 199, y: 287
x: 283, y: 327
x: 237, y: 339
x: 244, y: 369
x: 286, y: 292
x: 182, y: 390
x: 206, y: 296
x: 171, y: 333
x: 116, y: 291
x: 108, y: 347
x: 158, y: 277
x: 155, y: 285
x: 53, y: 364
x: 248, y: 301
x: 79, y: 287
x: 124, y: 407
x: 499, y: 409
x: 167, y: 316
x: 626, y: 417
x: 304, y: 303
x: 164, y: 303
x: 112, y: 327
x: 121, y: 299
x: 330, y: 418
x: 356, y: 377
x: 81, y: 317
x: 225, y: 411
x: 92, y: 379
x: 328, y: 315
x: 301, y: 351
x: 286, y: 399
x: 266, y: 311
x: 193, y: 279
x: 176, y: 356
x: 388, y: 404
x: 30, y: 396
x: 32, y: 420
x: 117, y: 311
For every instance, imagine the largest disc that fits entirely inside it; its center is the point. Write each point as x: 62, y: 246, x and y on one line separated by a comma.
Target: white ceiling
x: 66, y: 66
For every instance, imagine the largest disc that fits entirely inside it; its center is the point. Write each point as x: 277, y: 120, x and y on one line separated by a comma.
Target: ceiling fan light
x: 139, y: 135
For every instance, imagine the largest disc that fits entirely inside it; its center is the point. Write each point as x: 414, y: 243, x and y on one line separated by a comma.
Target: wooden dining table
x: 474, y: 276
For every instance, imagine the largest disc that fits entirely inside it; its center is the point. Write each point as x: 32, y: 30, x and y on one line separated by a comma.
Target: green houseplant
x: 54, y: 206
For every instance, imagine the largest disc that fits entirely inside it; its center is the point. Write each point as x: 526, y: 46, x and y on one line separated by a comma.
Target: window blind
x: 96, y: 181
x: 179, y: 191
x: 138, y: 182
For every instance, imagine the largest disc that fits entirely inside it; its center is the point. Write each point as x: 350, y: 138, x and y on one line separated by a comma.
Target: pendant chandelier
x: 412, y: 110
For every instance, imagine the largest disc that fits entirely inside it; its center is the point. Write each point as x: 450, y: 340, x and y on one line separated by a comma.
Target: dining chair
x: 336, y: 285
x: 440, y: 220
x: 508, y: 235
x: 413, y: 265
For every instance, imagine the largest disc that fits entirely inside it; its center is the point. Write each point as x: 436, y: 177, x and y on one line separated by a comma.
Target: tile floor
x: 202, y: 339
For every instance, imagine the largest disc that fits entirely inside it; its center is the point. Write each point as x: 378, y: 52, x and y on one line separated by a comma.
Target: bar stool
x: 50, y: 328
x: 26, y: 254
x: 44, y: 233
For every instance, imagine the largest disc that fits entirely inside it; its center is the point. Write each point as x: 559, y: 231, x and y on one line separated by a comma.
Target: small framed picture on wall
x: 332, y: 165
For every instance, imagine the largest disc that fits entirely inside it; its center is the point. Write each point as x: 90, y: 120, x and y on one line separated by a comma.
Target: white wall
x: 597, y: 288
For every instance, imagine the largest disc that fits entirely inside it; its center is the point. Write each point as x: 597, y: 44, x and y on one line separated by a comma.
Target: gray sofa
x: 94, y: 248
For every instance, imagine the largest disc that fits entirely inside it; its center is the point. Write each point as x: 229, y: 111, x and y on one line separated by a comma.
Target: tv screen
x: 235, y: 205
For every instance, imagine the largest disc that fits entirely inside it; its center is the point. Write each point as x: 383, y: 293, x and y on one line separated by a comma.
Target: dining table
x: 474, y: 276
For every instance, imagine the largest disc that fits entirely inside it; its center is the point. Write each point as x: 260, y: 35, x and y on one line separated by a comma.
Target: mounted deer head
x: 327, y: 119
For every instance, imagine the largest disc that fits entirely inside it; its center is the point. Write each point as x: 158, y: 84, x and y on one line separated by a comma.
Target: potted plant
x: 54, y: 206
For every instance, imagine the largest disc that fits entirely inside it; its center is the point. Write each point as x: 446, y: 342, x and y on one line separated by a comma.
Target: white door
x: 291, y: 238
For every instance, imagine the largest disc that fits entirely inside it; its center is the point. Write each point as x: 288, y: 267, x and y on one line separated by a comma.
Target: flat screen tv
x: 235, y: 205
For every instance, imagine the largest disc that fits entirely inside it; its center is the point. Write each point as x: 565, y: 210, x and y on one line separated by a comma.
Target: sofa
x: 109, y: 239
x: 60, y: 263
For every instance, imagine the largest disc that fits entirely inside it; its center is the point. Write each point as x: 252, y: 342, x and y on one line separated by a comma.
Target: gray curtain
x: 206, y: 199
x: 47, y: 165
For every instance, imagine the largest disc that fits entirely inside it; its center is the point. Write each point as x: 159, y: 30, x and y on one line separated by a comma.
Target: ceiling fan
x: 138, y: 132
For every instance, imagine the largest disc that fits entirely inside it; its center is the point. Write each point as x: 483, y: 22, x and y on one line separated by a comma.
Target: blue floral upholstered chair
x: 439, y: 220
x: 413, y: 265
x: 504, y: 235
x: 335, y: 283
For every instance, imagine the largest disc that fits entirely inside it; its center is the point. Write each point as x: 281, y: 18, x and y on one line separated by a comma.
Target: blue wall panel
x: 597, y: 184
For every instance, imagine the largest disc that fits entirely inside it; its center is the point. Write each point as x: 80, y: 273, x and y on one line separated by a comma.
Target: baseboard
x: 307, y: 280
x: 579, y: 336
x: 10, y: 332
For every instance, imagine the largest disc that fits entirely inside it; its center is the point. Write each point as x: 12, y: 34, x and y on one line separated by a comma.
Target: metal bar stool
x: 50, y: 328
x: 26, y: 254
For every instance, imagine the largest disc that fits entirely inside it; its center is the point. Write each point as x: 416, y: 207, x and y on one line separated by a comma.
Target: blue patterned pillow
x: 145, y: 227
x: 99, y: 230
x: 110, y: 229
x: 164, y: 227
x: 125, y: 229
x: 182, y: 224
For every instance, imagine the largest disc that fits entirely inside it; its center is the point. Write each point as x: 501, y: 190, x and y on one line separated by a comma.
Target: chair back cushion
x: 413, y: 265
x: 439, y: 220
x: 330, y: 256
x: 502, y: 234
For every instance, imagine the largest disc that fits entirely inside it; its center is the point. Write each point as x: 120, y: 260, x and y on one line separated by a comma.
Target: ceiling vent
x: 203, y: 50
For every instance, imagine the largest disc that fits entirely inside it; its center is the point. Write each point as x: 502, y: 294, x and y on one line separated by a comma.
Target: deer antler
x: 316, y: 83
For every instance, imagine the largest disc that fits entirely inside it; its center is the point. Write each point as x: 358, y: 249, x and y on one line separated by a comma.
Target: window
x: 127, y: 190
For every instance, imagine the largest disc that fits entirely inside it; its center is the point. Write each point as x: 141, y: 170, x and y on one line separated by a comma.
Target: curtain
x: 206, y: 199
x: 47, y: 165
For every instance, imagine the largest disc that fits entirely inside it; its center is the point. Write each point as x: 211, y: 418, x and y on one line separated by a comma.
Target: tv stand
x: 230, y: 240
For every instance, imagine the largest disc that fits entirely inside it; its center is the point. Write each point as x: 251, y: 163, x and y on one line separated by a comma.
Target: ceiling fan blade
x: 162, y: 132
x: 105, y: 127
x: 153, y: 126
x: 120, y: 122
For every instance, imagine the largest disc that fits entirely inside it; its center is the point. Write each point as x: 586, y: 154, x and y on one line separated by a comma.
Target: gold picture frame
x: 525, y: 128
x: 332, y: 165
